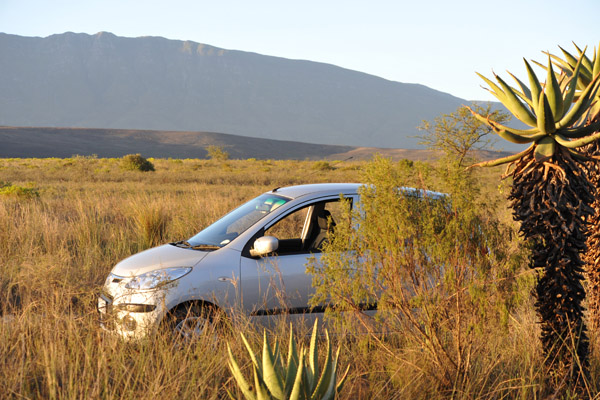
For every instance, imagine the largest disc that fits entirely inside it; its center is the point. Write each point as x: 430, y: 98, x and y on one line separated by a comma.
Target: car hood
x: 160, y: 257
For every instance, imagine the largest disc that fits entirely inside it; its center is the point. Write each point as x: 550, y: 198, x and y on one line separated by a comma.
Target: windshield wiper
x: 205, y: 247
x: 187, y: 245
x: 182, y: 243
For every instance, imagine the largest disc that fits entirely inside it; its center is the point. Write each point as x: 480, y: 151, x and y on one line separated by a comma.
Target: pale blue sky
x: 433, y: 42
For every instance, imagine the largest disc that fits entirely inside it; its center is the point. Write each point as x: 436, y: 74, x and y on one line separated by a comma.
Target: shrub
x: 217, y: 153
x: 135, y: 162
x: 8, y: 189
x: 322, y: 166
x: 438, y: 270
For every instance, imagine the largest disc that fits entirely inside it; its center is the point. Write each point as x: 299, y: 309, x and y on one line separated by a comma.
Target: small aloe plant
x: 298, y: 379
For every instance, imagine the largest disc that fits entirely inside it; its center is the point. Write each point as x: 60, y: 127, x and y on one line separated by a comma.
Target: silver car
x: 252, y: 260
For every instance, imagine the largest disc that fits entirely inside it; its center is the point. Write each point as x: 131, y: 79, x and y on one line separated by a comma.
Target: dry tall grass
x: 57, y: 249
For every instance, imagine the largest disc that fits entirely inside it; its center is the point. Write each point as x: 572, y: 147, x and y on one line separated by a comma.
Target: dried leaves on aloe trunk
x: 551, y: 199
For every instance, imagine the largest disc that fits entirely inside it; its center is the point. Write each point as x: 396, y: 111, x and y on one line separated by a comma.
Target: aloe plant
x: 588, y: 68
x: 298, y: 378
x: 551, y: 197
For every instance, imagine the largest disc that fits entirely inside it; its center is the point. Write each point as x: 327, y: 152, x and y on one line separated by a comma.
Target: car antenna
x: 274, y: 190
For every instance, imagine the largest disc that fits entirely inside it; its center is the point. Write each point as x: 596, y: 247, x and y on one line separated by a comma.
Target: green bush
x: 135, y: 162
x: 8, y: 189
x: 217, y: 153
x: 439, y: 271
x: 322, y: 166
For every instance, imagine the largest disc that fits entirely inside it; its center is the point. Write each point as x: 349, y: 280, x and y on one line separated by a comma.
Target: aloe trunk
x: 550, y: 200
x: 592, y: 255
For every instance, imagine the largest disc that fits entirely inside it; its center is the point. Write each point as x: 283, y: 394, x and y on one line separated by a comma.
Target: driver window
x: 307, y: 229
x: 289, y: 227
x: 289, y: 231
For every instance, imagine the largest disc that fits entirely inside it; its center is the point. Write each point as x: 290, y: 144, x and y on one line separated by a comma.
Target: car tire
x: 193, y: 321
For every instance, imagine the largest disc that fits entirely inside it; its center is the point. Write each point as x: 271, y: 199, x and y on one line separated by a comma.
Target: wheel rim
x: 191, y: 327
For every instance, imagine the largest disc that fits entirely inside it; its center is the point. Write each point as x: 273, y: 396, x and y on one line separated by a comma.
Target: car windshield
x: 233, y: 224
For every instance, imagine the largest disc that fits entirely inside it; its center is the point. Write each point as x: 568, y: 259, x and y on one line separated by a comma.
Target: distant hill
x: 67, y: 142
x: 151, y: 83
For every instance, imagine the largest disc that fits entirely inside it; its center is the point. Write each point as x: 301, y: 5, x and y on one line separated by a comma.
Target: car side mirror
x: 264, y: 245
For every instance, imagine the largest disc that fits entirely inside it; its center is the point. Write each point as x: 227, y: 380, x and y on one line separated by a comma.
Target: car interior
x: 305, y: 230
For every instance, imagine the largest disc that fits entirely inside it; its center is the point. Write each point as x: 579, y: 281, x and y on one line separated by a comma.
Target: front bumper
x: 130, y: 314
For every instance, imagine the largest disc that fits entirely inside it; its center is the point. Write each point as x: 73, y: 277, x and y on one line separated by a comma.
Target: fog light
x: 128, y: 323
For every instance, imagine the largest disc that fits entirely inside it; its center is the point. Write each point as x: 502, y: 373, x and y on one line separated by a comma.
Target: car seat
x: 326, y: 225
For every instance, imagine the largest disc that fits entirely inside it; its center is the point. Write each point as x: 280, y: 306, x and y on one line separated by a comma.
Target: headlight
x: 156, y: 278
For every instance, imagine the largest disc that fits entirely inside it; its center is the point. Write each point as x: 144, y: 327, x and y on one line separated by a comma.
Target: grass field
x: 73, y: 219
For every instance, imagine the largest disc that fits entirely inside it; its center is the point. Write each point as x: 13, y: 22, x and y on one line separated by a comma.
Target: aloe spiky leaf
x: 581, y: 105
x: 581, y: 131
x: 596, y: 69
x: 326, y: 374
x: 524, y: 90
x: 250, y: 351
x: 496, y: 91
x: 553, y: 93
x: 573, y: 144
x: 564, y: 81
x: 559, y: 62
x: 499, y: 127
x: 503, y: 160
x: 515, y: 105
x: 523, y: 139
x: 595, y: 111
x: 587, y: 63
x: 524, y: 97
x: 269, y: 374
x: 571, y: 60
x: 545, y: 119
x: 292, y: 363
x: 331, y: 388
x: 587, y: 69
x: 342, y: 380
x: 545, y: 149
x: 512, y: 135
x: 297, y: 388
x: 261, y: 391
x: 534, y: 84
x: 570, y: 94
x: 313, y: 357
x: 244, y: 386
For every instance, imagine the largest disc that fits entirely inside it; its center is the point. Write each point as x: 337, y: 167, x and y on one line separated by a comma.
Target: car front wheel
x: 193, y: 321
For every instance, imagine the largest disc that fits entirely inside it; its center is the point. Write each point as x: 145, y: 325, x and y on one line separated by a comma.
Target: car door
x: 278, y: 283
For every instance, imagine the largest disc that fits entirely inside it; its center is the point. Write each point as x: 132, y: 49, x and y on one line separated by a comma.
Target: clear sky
x: 438, y: 43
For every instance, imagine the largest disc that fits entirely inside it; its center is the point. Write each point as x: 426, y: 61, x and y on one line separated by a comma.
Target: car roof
x: 324, y: 189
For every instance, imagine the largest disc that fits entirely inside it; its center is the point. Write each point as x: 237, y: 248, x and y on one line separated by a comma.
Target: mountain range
x: 67, y: 142
x: 152, y: 83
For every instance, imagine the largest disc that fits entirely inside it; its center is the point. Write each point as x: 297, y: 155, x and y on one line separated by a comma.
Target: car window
x: 290, y: 227
x: 236, y: 222
x: 336, y: 209
x: 307, y: 229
